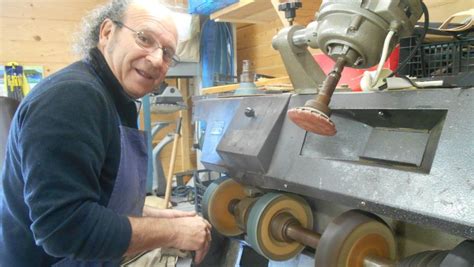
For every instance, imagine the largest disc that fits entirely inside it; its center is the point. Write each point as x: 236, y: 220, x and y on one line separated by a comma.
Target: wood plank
x: 263, y: 50
x: 246, y: 10
x: 259, y: 63
x: 232, y: 8
x: 257, y: 35
x: 262, y: 61
x: 230, y: 11
x: 48, y: 9
x: 31, y: 51
x: 242, y: 20
x: 264, y: 16
x: 186, y: 129
x: 39, y: 30
x: 233, y: 87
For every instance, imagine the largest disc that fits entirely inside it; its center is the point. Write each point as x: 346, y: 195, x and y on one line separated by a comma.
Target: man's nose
x: 156, y: 58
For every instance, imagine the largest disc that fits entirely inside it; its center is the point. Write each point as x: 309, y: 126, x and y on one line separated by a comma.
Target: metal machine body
x: 344, y: 25
x: 407, y: 155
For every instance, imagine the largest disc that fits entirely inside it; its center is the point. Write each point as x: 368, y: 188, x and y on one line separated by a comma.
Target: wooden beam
x: 246, y: 11
x: 256, y: 21
x: 186, y: 129
x: 230, y: 9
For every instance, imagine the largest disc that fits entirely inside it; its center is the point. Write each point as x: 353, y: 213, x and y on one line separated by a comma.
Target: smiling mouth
x: 144, y: 74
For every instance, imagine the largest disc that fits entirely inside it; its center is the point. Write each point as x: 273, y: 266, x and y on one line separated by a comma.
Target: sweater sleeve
x: 64, y: 137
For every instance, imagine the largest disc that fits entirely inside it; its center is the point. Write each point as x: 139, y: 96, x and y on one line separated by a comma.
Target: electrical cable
x: 410, y: 82
x: 383, y: 58
x: 426, y: 25
x: 182, y: 190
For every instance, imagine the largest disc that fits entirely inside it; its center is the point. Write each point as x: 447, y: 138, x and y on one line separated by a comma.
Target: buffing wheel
x: 312, y: 120
x: 259, y: 234
x: 215, y: 205
x: 353, y: 236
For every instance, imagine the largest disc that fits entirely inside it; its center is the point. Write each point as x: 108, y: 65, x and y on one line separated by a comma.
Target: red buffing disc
x: 312, y: 120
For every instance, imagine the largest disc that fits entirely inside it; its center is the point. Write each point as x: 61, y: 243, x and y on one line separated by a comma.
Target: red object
x: 312, y: 120
x: 351, y: 76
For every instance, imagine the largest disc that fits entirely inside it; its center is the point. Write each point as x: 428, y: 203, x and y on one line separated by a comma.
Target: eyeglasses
x: 149, y: 44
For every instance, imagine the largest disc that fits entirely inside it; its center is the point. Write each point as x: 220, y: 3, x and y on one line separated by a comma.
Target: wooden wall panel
x: 39, y: 32
x: 254, y: 41
x: 70, y: 10
x: 32, y: 51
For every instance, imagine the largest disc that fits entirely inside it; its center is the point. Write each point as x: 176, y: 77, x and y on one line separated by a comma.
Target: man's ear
x: 105, y: 33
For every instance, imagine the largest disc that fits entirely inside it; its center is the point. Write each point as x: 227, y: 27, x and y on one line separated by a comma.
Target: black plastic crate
x: 202, y: 179
x: 451, y: 61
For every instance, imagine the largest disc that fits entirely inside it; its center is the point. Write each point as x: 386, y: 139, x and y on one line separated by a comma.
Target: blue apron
x: 128, y: 195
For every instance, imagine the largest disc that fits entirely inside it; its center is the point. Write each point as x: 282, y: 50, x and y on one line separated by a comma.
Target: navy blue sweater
x: 61, y: 163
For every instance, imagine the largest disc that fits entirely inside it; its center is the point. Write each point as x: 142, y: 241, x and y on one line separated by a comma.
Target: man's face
x: 138, y: 70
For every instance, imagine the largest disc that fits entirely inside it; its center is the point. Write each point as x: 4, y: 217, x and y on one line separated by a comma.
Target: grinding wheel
x: 215, y: 205
x: 351, y: 237
x: 259, y: 234
x: 312, y: 120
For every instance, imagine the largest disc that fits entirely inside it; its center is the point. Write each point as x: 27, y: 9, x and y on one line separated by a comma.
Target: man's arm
x: 149, y: 211
x: 186, y: 233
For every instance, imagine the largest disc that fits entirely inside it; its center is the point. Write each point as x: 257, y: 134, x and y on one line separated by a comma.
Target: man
x: 75, y: 167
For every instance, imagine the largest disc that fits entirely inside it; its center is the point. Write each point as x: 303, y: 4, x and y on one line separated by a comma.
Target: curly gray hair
x: 88, y: 37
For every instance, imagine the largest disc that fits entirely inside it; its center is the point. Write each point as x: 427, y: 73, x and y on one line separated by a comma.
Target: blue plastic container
x: 206, y: 7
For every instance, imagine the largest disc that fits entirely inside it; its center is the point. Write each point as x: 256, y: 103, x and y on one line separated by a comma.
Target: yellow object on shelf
x: 16, y: 83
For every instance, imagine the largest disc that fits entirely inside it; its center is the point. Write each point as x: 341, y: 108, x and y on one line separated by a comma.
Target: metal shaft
x: 240, y: 208
x: 377, y: 261
x: 285, y: 227
x: 321, y: 101
x: 294, y: 231
x: 330, y: 83
x: 303, y: 235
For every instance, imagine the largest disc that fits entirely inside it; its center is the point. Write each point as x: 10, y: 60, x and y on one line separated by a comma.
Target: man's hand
x: 194, y: 234
x: 191, y: 233
x: 149, y: 211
